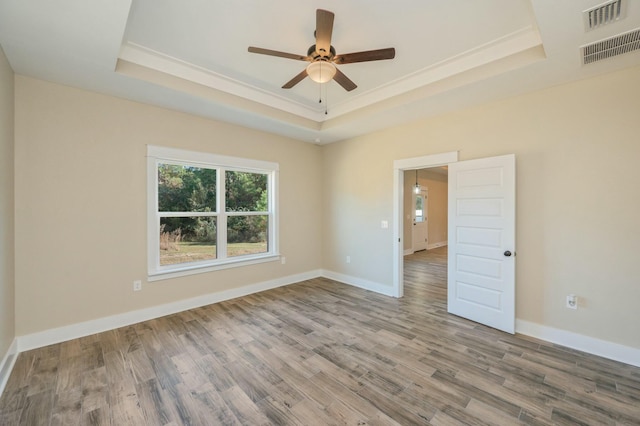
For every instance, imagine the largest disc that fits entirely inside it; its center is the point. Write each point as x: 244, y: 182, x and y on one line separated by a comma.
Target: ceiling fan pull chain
x: 326, y: 100
x: 320, y: 85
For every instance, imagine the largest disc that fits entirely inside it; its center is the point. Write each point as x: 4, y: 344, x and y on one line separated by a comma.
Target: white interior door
x: 481, y: 264
x: 419, y: 234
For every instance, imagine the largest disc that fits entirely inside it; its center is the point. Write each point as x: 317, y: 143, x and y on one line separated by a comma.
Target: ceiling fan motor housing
x: 311, y: 52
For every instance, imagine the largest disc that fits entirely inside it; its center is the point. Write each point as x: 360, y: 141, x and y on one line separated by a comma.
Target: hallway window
x: 419, y: 208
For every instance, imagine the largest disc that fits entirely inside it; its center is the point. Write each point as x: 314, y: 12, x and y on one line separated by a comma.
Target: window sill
x: 200, y: 269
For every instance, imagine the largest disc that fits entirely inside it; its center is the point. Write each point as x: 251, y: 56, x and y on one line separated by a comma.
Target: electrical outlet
x: 283, y: 260
x: 137, y: 285
x: 348, y: 259
x: 572, y: 301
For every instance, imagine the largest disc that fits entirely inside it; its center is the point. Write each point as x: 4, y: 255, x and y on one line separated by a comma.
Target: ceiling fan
x: 323, y: 58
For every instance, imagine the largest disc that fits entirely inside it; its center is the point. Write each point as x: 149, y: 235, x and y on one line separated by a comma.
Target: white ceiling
x: 192, y: 55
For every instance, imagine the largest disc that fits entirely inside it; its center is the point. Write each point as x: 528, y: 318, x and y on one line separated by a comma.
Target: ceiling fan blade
x: 344, y: 81
x: 324, y: 28
x: 278, y: 54
x: 369, y: 55
x: 295, y: 80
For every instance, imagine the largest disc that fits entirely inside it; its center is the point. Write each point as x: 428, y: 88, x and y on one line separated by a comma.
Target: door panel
x: 419, y: 234
x: 488, y: 237
x: 481, y: 278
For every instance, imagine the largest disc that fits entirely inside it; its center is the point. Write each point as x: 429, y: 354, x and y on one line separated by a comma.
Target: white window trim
x: 156, y: 155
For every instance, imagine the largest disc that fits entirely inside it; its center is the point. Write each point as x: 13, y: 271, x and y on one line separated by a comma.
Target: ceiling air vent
x: 614, y: 46
x: 604, y: 14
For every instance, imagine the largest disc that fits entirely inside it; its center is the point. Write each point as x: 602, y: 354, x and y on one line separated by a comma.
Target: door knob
x: 507, y: 253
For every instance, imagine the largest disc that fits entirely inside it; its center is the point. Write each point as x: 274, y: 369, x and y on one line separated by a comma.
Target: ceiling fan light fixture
x: 321, y: 71
x: 322, y: 56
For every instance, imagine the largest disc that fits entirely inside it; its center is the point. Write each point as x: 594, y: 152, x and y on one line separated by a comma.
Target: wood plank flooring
x: 318, y: 353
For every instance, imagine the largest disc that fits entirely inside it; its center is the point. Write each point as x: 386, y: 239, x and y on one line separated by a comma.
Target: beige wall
x: 80, y: 194
x: 436, y: 183
x: 7, y: 290
x: 577, y: 150
x: 80, y: 200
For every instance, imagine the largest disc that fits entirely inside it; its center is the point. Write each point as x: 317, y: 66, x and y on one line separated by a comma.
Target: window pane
x: 186, y: 189
x: 187, y: 239
x: 246, y: 235
x: 246, y: 192
x: 419, y: 208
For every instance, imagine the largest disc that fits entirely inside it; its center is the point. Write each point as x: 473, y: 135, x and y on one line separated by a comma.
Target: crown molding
x: 151, y: 59
x: 494, y: 51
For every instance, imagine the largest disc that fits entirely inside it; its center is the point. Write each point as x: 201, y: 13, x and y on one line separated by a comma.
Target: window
x: 207, y: 212
x: 419, y: 208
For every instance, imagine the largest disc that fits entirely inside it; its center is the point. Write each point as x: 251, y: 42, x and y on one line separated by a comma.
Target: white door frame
x: 399, y: 166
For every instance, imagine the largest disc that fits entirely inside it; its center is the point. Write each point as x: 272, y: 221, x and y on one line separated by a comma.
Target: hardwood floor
x: 318, y: 353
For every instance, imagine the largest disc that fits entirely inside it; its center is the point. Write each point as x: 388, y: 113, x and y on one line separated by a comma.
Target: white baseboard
x: 436, y: 245
x: 86, y: 328
x: 408, y: 252
x: 360, y: 283
x: 74, y: 331
x: 594, y: 346
x: 588, y: 344
x: 6, y: 365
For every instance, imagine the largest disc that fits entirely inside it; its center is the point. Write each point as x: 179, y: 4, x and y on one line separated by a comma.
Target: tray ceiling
x: 192, y: 56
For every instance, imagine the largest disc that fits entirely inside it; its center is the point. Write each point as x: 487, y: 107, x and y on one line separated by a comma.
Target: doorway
x: 426, y: 215
x: 481, y: 248
x: 426, y: 209
x: 400, y: 167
